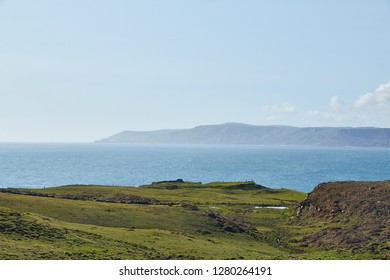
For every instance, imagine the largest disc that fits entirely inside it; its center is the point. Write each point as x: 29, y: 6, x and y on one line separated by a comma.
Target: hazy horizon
x: 79, y: 71
x: 185, y: 128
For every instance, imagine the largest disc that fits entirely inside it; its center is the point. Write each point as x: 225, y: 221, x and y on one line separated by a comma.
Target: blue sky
x: 83, y: 70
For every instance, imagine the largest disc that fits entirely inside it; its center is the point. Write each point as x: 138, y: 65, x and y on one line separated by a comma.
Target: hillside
x: 358, y: 214
x: 243, y: 134
x: 188, y: 220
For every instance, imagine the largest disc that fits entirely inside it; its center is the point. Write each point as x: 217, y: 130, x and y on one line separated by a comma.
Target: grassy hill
x: 184, y: 220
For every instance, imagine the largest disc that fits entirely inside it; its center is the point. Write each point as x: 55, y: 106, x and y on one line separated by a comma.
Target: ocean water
x: 299, y: 168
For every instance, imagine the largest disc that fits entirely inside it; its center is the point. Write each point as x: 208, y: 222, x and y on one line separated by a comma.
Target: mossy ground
x: 168, y: 220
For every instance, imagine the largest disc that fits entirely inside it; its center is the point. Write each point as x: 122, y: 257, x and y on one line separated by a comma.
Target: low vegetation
x: 189, y: 220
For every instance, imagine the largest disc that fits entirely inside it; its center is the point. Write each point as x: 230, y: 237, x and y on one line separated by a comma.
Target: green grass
x: 208, y: 194
x: 107, y: 214
x: 40, y: 237
x: 180, y: 221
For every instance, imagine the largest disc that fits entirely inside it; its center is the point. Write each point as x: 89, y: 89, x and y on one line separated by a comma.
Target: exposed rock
x: 230, y: 223
x: 190, y: 206
x: 358, y: 213
x: 365, y: 199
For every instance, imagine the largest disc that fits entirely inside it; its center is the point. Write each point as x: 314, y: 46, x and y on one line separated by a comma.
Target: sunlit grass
x: 176, y: 221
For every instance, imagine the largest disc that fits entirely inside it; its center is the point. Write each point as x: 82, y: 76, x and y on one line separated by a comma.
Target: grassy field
x: 166, y: 220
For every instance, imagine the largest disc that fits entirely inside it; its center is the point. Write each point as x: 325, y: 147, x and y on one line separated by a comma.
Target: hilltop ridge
x: 245, y: 134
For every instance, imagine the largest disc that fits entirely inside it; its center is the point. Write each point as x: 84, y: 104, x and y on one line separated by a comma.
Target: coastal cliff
x: 244, y: 134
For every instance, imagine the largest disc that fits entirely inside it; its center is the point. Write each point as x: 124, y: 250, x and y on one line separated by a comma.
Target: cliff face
x: 357, y: 214
x: 243, y: 134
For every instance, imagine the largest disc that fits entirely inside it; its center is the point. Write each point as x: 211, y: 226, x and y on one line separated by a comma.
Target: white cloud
x: 325, y: 116
x: 364, y: 100
x: 337, y: 113
x: 379, y: 98
x: 285, y: 108
x: 336, y: 104
x: 278, y: 113
x: 271, y: 119
x: 313, y: 113
x: 370, y: 109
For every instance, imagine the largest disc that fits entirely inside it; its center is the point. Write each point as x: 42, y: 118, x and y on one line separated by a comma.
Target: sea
x: 39, y: 165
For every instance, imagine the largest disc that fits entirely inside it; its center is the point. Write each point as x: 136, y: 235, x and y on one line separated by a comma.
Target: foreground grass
x: 168, y: 220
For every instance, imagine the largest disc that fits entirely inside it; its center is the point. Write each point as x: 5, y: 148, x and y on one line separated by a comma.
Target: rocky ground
x: 357, y: 213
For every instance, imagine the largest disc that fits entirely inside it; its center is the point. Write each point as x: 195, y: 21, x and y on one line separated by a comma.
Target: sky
x: 78, y: 71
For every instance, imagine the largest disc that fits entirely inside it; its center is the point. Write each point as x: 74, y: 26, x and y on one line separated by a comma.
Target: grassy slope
x: 181, y: 221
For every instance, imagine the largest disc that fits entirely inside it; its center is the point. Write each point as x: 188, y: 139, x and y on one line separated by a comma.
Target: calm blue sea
x: 300, y: 168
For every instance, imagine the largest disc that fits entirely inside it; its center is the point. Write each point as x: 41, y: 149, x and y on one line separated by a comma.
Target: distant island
x: 245, y: 134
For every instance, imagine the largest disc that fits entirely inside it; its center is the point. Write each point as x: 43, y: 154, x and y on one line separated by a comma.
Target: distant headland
x: 245, y: 134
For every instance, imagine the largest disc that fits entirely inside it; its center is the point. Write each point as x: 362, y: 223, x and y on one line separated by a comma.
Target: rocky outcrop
x: 358, y: 199
x: 357, y: 214
x: 230, y: 223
